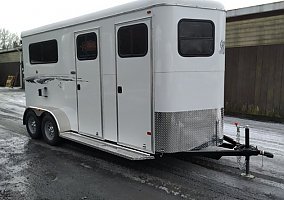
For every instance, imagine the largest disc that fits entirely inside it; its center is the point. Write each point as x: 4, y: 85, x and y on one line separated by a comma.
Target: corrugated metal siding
x: 10, y: 57
x: 255, y: 32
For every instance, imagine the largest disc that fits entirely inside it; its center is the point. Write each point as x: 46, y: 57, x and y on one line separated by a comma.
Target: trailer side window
x: 133, y: 40
x: 196, y: 38
x: 43, y: 52
x: 87, y: 46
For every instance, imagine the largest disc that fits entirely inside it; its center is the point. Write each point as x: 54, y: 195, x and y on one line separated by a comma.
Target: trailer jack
x: 246, y: 149
x: 233, y: 148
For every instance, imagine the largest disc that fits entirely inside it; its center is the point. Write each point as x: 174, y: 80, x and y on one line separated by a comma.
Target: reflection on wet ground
x: 31, y: 169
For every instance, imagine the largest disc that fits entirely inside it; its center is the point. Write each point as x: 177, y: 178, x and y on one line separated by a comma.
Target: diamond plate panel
x: 184, y: 131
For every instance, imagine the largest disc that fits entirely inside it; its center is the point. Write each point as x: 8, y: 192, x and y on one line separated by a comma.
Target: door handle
x: 72, y: 72
x: 119, y: 89
x: 78, y: 87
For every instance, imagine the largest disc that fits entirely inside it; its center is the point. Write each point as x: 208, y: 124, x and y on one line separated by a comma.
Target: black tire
x: 33, y: 124
x: 49, y: 130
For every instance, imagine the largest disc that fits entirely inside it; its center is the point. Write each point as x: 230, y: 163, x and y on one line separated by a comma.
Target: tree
x: 8, y: 40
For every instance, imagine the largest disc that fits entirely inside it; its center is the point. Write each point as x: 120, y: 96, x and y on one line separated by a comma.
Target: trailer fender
x: 59, y: 116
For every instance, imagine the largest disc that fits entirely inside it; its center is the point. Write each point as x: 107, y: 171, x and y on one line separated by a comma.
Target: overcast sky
x: 20, y: 15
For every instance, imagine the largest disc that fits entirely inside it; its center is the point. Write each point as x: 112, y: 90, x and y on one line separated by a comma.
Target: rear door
x: 134, y: 84
x: 88, y: 83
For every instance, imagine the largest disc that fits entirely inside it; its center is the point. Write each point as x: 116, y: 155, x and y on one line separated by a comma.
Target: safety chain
x: 242, y: 165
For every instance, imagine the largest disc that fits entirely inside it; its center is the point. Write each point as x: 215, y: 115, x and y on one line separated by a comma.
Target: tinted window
x: 43, y: 52
x: 196, y: 38
x: 87, y: 46
x: 133, y: 41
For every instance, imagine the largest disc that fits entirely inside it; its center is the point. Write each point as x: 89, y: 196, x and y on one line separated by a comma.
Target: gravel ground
x: 31, y: 169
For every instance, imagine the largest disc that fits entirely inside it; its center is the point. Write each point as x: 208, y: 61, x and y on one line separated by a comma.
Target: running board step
x: 107, y: 147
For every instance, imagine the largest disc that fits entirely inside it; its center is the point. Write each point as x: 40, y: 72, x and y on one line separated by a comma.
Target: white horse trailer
x: 136, y: 80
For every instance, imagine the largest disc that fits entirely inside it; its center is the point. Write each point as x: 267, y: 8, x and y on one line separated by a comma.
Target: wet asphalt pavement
x: 31, y: 169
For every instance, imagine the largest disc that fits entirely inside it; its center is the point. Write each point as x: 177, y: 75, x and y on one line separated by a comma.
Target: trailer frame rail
x: 232, y: 148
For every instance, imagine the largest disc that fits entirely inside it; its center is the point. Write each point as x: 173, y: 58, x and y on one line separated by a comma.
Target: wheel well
x: 39, y: 113
x: 44, y: 114
x: 58, y: 115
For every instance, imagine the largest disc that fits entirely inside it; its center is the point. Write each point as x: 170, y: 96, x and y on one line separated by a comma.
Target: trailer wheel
x: 33, y: 124
x: 50, y: 130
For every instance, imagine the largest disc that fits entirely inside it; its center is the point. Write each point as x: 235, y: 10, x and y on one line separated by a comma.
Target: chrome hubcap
x: 49, y: 130
x: 32, y: 125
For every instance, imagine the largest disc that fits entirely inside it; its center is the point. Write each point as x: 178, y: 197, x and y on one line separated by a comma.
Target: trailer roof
x: 125, y: 8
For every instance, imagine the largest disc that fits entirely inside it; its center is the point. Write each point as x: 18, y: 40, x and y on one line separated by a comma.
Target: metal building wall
x: 254, y: 79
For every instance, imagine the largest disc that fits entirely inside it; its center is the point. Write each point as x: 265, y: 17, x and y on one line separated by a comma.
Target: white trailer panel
x: 147, y: 77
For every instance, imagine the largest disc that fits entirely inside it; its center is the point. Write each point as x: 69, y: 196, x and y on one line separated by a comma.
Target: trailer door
x: 88, y: 83
x: 134, y: 84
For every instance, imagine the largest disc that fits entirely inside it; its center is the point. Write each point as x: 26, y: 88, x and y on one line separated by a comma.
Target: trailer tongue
x: 233, y: 148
